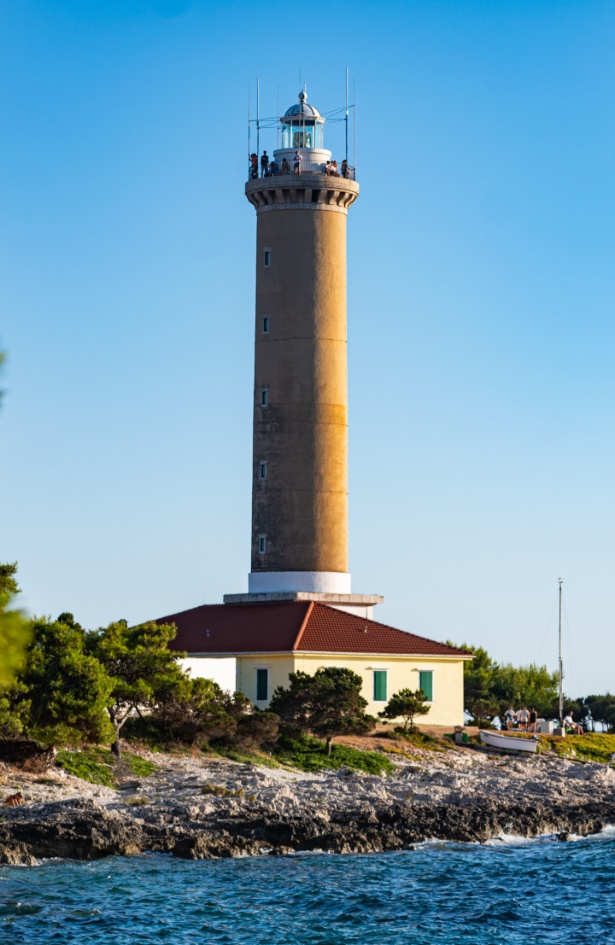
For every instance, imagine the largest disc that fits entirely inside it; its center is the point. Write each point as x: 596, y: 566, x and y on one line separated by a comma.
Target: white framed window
x: 262, y: 544
x: 262, y: 469
x: 264, y: 396
x: 265, y: 324
x: 266, y: 258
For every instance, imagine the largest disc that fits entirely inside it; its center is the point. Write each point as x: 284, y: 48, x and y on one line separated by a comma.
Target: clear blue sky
x: 481, y: 303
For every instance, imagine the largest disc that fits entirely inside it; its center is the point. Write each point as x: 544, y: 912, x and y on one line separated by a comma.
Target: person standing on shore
x: 532, y: 720
x: 522, y: 718
x: 511, y: 716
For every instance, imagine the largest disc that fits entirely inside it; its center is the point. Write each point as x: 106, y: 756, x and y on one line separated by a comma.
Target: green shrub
x: 308, y: 754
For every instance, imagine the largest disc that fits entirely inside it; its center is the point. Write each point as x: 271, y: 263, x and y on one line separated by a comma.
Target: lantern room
x: 302, y: 149
x: 302, y: 126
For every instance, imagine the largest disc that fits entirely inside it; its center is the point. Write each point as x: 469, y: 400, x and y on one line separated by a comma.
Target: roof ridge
x: 304, y: 624
x: 387, y: 626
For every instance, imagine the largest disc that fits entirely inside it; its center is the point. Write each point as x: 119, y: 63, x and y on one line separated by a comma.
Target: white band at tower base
x: 318, y: 582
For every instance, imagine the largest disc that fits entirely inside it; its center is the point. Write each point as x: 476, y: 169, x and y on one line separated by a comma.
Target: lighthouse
x: 299, y: 542
x: 299, y: 613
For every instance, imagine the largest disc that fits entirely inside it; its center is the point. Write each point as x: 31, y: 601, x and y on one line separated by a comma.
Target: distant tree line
x: 491, y: 687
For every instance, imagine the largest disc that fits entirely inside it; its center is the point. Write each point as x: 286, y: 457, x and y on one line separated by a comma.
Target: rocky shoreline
x: 199, y: 807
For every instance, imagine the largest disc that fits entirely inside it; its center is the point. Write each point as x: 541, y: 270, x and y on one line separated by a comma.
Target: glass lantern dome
x: 302, y: 126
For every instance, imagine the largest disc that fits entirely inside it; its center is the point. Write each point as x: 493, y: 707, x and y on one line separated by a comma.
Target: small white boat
x: 509, y: 742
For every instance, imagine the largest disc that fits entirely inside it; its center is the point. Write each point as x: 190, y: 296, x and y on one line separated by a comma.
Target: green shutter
x: 426, y: 684
x: 262, y: 684
x: 380, y: 685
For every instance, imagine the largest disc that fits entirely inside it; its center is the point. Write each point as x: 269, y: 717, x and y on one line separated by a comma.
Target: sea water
x: 514, y: 892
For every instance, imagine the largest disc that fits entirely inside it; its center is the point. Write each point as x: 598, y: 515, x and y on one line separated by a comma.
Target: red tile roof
x: 292, y: 626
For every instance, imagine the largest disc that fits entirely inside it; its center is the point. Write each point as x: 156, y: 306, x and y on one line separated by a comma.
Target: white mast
x: 561, y: 665
x: 346, y: 116
x: 258, y: 116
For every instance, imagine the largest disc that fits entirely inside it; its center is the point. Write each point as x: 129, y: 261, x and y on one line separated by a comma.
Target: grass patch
x: 595, y: 746
x: 401, y: 752
x: 98, y: 765
x: 218, y: 790
x: 308, y: 754
x: 138, y: 766
x: 423, y: 740
x: 418, y: 739
x: 93, y: 764
x: 245, y: 758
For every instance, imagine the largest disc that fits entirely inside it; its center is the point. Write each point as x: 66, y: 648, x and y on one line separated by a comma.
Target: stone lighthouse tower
x: 300, y: 460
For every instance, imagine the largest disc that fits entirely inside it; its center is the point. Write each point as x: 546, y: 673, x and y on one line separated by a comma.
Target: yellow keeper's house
x: 252, y: 648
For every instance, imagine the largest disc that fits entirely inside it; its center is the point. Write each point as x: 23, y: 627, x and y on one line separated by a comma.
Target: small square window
x: 267, y: 258
x: 262, y: 544
x: 264, y: 396
x: 266, y: 325
x: 262, y: 470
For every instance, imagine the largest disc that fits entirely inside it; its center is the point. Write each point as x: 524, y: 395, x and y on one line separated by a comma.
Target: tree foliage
x: 191, y: 710
x: 15, y: 630
x: 479, y: 676
x: 328, y: 703
x: 67, y: 688
x: 141, y: 667
x: 406, y: 705
x: 599, y: 709
x: 489, y: 688
x: 530, y: 685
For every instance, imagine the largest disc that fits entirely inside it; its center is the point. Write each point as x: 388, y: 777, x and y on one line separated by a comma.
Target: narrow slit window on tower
x: 262, y: 469
x: 267, y: 258
x: 264, y: 396
x: 262, y: 544
x: 266, y: 325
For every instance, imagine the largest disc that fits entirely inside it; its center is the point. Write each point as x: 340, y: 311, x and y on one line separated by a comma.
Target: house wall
x: 402, y: 673
x: 223, y: 670
x: 279, y: 667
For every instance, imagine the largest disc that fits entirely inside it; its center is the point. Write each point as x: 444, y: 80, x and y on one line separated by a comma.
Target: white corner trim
x: 319, y: 582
